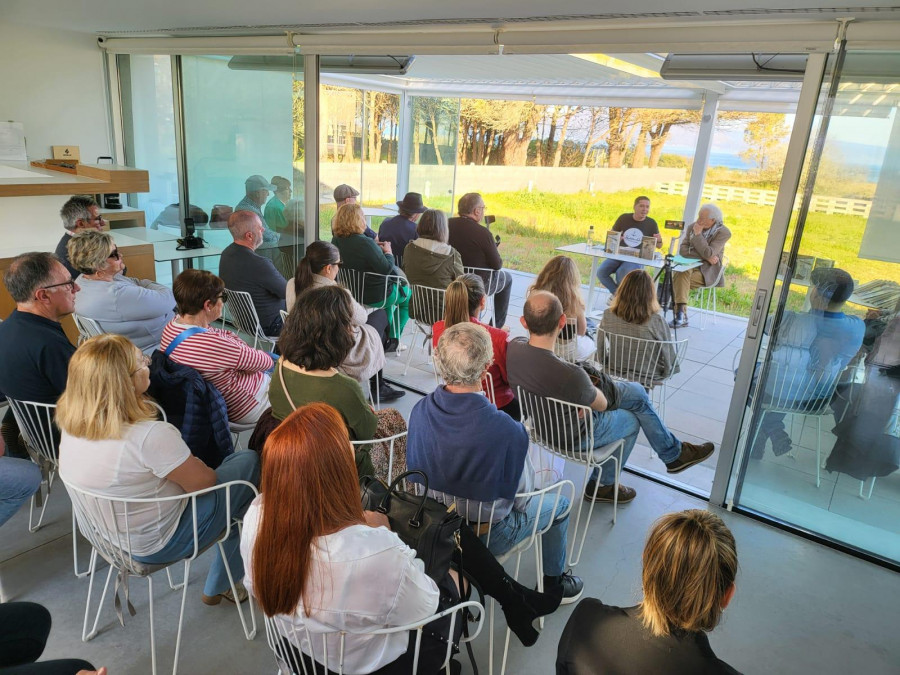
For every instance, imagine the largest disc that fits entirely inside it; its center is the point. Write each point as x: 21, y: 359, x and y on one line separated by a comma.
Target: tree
x: 621, y: 128
x: 570, y: 112
x: 495, y: 132
x: 435, y: 113
x: 763, y: 134
x: 594, y: 133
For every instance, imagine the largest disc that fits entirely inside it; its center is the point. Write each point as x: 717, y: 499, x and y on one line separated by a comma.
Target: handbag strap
x: 181, y: 337
x: 283, y: 385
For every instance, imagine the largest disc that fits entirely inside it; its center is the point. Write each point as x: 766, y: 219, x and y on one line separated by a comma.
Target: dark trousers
x: 26, y: 627
x: 379, y: 321
x: 501, y: 289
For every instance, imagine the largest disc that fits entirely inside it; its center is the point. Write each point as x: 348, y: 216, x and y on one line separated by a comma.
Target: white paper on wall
x: 12, y: 142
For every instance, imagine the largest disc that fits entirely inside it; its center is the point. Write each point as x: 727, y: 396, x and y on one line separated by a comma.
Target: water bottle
x: 590, y: 237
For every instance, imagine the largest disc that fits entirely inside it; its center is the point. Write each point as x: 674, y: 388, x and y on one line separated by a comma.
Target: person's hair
x: 406, y: 213
x: 193, y: 287
x: 642, y: 198
x: 349, y: 220
x: 541, y: 312
x: 89, y: 251
x: 318, y: 332
x: 100, y: 398
x: 433, y: 225
x: 714, y: 212
x: 241, y: 222
x: 318, y: 254
x: 28, y: 273
x: 690, y: 563
x: 560, y: 276
x: 309, y: 489
x: 468, y: 203
x: 464, y: 352
x: 635, y: 301
x: 75, y: 209
x: 462, y: 299
x: 280, y: 182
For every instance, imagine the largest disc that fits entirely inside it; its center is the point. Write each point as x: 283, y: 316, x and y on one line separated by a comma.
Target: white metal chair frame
x: 110, y: 538
x: 708, y: 297
x: 391, y: 441
x: 355, y: 282
x: 279, y: 629
x: 567, y: 348
x: 487, y: 382
x: 427, y: 305
x: 489, y: 277
x: 87, y: 328
x: 242, y: 315
x: 545, y: 418
x: 284, y: 315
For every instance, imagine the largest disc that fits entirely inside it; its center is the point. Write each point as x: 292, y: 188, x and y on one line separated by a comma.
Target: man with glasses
x: 78, y: 214
x: 478, y: 248
x: 35, y: 349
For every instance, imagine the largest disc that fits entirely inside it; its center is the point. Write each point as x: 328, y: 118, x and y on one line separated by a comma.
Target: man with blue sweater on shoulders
x: 473, y: 452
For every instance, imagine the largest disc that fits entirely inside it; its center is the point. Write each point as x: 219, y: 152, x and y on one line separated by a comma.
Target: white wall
x: 52, y: 81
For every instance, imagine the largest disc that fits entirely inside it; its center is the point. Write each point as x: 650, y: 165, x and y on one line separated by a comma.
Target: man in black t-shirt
x: 633, y: 226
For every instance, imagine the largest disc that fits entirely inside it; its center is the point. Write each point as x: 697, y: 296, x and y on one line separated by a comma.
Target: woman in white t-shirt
x: 112, y: 444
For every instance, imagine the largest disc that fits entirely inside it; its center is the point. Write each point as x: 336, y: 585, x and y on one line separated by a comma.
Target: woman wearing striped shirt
x: 238, y: 371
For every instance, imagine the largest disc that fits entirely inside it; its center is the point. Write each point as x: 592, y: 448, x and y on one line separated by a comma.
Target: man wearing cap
x: 401, y: 229
x: 258, y: 189
x: 810, y: 349
x: 344, y: 194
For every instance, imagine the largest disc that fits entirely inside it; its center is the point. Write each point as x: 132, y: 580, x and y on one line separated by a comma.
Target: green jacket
x: 358, y: 252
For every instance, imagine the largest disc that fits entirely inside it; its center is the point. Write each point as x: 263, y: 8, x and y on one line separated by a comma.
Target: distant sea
x: 726, y: 159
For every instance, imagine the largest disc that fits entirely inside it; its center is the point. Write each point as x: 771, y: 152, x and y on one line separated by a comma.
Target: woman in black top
x: 690, y: 562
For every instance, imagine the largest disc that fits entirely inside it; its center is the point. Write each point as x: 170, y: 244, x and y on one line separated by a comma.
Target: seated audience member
x: 257, y: 191
x: 35, y: 349
x: 365, y: 255
x: 239, y: 372
x: 274, y: 212
x: 430, y: 260
x: 470, y: 451
x: 344, y: 194
x: 478, y: 248
x: 635, y: 312
x: 809, y: 350
x: 19, y: 479
x: 139, y: 309
x: 689, y: 568
x: 79, y: 214
x: 560, y: 276
x: 26, y: 627
x: 533, y: 366
x: 319, y: 268
x: 401, y: 229
x: 465, y: 299
x: 634, y: 227
x: 112, y: 445
x: 315, y: 341
x: 242, y: 269
x: 705, y: 240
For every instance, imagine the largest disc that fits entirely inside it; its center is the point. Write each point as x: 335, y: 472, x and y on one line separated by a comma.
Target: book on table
x: 613, y: 239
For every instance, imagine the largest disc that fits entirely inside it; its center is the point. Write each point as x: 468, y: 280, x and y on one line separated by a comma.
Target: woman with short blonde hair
x: 561, y: 277
x: 136, y: 308
x: 349, y: 220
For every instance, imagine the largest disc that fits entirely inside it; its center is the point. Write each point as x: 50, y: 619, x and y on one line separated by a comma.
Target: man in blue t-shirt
x: 634, y: 227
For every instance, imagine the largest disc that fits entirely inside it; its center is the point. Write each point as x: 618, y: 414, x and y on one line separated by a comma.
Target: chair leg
x: 78, y: 574
x: 187, y: 572
x: 85, y: 635
x: 251, y: 633
x: 412, y: 345
x: 32, y: 527
x: 818, y: 448
x: 172, y: 584
x: 573, y: 558
x: 153, y: 631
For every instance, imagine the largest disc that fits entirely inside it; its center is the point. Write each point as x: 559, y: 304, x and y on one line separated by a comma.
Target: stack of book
x: 881, y: 294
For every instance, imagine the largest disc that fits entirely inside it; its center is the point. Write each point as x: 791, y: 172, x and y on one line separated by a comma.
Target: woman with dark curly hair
x: 315, y: 340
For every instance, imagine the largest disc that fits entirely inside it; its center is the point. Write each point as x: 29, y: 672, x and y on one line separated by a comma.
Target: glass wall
x: 821, y: 445
x: 432, y: 159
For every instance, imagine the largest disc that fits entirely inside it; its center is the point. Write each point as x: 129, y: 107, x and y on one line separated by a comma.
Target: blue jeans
x: 634, y: 412
x: 518, y: 525
x: 211, y: 523
x: 617, y: 267
x: 19, y: 479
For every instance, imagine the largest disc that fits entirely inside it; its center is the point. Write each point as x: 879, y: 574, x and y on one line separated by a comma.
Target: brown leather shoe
x: 605, y: 493
x: 690, y: 454
x: 227, y: 595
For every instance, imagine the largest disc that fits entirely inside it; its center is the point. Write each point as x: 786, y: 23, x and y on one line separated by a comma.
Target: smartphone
x: 675, y: 225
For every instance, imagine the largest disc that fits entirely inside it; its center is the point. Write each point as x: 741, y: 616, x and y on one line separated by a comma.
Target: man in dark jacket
x: 401, y: 229
x: 79, y: 213
x: 478, y: 248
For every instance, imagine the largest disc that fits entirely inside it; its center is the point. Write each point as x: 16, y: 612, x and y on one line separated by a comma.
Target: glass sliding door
x: 432, y: 160
x: 820, y: 445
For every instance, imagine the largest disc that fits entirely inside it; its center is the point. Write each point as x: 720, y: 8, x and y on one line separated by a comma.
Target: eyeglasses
x: 70, y: 283
x: 338, y: 263
x: 143, y: 362
x: 95, y: 219
x: 223, y: 295
x: 114, y: 254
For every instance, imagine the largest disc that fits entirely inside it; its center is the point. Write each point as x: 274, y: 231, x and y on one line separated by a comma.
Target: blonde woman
x: 136, y: 308
x: 360, y: 253
x: 635, y: 312
x: 690, y: 565
x: 112, y: 444
x: 560, y: 276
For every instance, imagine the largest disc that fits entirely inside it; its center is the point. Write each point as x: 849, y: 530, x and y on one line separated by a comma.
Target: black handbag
x: 422, y: 523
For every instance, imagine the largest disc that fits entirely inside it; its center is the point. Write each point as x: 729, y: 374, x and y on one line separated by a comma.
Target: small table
x: 142, y: 233
x: 375, y: 212
x: 597, y: 251
x: 167, y: 250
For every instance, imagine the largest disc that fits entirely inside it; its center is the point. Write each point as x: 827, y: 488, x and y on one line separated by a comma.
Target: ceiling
x: 129, y: 17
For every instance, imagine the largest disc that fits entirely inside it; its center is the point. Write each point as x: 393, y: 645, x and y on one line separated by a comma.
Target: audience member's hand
x: 102, y: 671
x: 385, y: 246
x: 376, y: 519
x: 505, y: 329
x: 714, y: 260
x: 870, y: 316
x: 658, y: 239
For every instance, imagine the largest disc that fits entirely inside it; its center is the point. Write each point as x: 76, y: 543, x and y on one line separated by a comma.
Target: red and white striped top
x: 236, y: 369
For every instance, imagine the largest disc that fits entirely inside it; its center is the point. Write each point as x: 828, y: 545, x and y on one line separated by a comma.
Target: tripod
x: 665, y: 292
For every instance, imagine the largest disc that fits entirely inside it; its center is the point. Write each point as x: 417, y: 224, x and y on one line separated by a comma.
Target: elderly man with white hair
x: 704, y: 239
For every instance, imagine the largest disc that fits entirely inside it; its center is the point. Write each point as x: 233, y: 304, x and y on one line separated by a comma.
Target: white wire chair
x: 104, y: 522
x: 87, y: 328
x: 283, y: 313
x: 391, y: 441
x: 566, y: 348
x: 480, y: 517
x: 708, y: 297
x: 242, y: 314
x: 487, y: 382
x: 426, y: 308
x: 285, y: 639
x: 490, y: 277
x: 355, y: 282
x: 566, y: 429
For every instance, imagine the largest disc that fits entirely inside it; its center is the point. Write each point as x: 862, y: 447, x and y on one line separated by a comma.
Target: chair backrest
x: 721, y: 273
x: 391, y: 442
x: 487, y: 275
x: 354, y: 281
x: 798, y: 390
x: 327, y: 649
x: 561, y: 427
x: 426, y: 305
x: 36, y: 425
x: 566, y: 348
x: 639, y: 360
x: 283, y: 314
x: 243, y: 314
x: 87, y: 328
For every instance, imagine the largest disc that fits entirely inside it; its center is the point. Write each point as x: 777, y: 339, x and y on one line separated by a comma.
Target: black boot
x: 521, y: 605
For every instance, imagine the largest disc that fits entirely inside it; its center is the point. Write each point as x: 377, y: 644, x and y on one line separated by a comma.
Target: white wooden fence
x: 727, y: 193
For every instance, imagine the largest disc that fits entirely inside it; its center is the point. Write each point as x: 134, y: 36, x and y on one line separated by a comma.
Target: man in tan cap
x: 344, y: 194
x: 257, y: 192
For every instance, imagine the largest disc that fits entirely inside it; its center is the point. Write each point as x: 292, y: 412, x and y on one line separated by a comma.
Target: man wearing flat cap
x: 257, y: 192
x: 810, y: 349
x: 344, y: 194
x: 401, y: 229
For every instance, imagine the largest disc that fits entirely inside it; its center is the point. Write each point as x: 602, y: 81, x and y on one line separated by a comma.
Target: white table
x: 375, y: 212
x: 597, y: 251
x: 167, y: 250
x: 142, y: 233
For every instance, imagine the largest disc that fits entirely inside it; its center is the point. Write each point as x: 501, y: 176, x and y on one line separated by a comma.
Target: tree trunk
x: 657, y: 142
x: 434, y: 139
x: 570, y: 113
x: 372, y: 130
x: 595, y: 117
x: 640, y: 149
